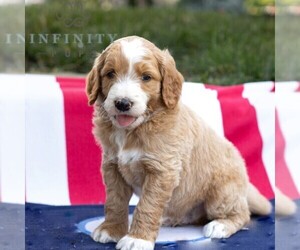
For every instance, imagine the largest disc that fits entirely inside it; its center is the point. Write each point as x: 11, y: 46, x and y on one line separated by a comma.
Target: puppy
x: 155, y: 146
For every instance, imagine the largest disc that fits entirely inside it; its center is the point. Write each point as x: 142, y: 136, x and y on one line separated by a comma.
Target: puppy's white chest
x: 119, y: 139
x: 125, y: 156
x: 132, y: 172
x: 128, y: 160
x: 128, y: 157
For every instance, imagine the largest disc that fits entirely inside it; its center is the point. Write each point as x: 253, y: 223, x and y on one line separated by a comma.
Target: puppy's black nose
x: 123, y: 104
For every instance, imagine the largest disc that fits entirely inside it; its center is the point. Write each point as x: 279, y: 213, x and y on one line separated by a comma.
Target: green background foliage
x: 210, y: 47
x: 12, y: 54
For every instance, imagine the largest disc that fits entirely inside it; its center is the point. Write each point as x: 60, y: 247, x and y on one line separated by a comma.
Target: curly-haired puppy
x: 155, y: 146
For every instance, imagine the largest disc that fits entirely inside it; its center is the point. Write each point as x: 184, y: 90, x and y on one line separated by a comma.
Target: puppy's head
x: 131, y: 79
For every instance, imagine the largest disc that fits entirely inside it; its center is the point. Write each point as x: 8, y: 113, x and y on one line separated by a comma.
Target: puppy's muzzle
x: 123, y: 104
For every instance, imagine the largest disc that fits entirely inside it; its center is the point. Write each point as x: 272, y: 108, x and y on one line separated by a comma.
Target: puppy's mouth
x: 125, y: 120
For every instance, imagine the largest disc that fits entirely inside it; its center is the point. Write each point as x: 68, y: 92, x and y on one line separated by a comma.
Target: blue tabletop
x: 55, y: 227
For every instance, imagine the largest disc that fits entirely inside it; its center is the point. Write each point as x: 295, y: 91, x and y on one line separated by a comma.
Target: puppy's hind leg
x: 229, y: 214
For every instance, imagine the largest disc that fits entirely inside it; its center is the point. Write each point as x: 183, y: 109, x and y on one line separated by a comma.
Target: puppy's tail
x: 258, y: 204
x: 283, y: 205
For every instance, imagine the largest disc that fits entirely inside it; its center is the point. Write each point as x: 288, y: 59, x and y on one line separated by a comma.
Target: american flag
x: 48, y: 154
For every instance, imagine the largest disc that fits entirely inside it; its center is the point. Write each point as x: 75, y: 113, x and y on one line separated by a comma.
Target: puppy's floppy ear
x: 172, y: 81
x: 93, y: 80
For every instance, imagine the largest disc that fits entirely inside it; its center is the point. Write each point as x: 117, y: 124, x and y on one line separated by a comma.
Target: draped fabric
x: 46, y: 123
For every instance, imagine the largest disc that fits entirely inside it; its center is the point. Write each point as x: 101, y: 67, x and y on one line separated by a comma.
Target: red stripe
x: 83, y: 156
x: 298, y: 89
x: 283, y: 178
x: 241, y: 128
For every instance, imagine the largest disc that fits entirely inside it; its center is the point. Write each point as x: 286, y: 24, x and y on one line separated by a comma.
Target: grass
x: 287, y: 48
x: 218, y: 48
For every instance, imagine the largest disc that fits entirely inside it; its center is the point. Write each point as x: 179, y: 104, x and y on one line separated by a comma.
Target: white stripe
x: 288, y: 108
x: 259, y: 87
x: 290, y: 86
x: 46, y: 164
x: 134, y: 200
x: 262, y: 100
x: 12, y: 139
x: 205, y: 103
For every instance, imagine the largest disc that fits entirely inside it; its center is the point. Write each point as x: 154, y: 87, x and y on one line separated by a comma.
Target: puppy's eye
x: 146, y: 78
x: 111, y: 74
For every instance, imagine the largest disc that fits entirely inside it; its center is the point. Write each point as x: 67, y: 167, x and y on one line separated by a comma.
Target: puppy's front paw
x: 215, y: 229
x: 129, y: 243
x: 102, y: 236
